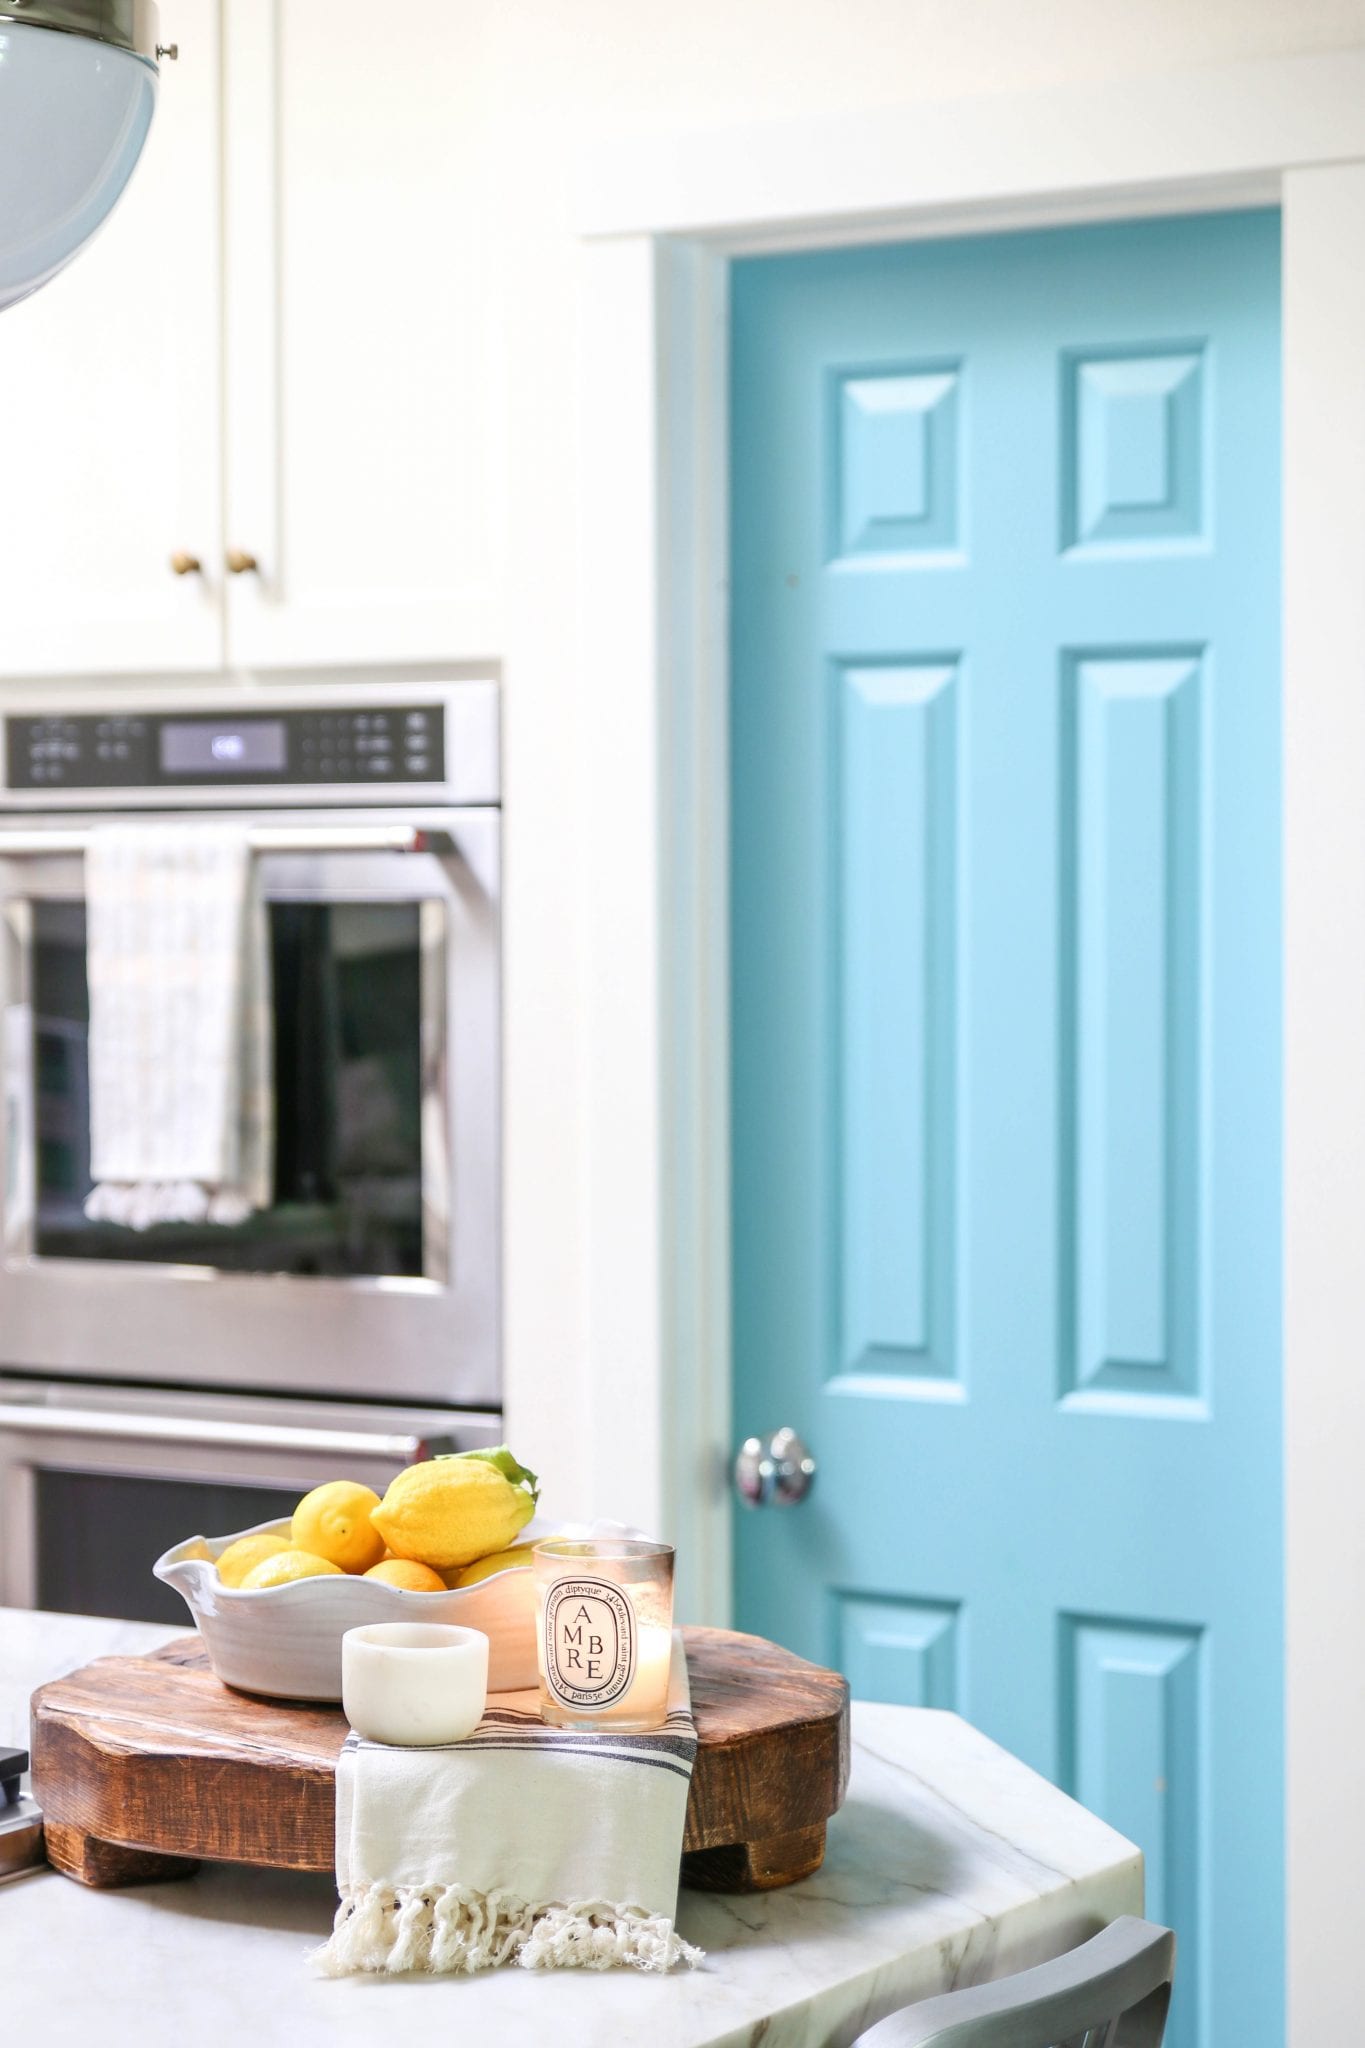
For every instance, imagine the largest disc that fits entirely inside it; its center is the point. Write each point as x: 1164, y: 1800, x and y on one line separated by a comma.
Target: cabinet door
x: 111, y: 439
x: 359, y: 335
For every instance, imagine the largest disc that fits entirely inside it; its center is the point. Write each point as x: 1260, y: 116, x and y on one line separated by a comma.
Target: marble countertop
x: 950, y: 1863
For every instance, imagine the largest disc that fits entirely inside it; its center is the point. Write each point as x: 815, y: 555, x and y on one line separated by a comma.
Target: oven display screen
x: 244, y: 746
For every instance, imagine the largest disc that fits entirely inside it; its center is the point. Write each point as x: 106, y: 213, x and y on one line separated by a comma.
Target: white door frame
x: 660, y: 219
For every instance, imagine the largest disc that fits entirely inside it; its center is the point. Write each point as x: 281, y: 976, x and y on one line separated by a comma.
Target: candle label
x: 589, y: 1642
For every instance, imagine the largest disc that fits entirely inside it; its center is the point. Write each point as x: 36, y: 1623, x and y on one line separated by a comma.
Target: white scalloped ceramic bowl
x: 285, y: 1641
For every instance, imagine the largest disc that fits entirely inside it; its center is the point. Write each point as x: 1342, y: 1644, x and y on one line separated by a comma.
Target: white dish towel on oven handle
x: 181, y: 1086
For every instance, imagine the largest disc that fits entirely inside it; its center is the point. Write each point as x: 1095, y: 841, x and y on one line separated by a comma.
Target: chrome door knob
x: 777, y: 1469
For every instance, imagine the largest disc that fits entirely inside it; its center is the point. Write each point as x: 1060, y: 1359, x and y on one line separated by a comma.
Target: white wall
x: 558, y: 78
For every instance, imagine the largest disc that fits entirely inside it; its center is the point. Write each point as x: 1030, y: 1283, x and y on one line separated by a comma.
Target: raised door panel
x: 1132, y: 1714
x: 895, y: 946
x: 361, y: 336
x: 1133, y: 913
x: 111, y: 440
x: 905, y: 1652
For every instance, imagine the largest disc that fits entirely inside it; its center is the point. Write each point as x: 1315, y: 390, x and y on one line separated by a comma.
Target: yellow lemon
x: 450, y: 1511
x: 237, y: 1560
x: 286, y: 1566
x: 406, y: 1573
x: 333, y: 1521
x: 500, y: 1561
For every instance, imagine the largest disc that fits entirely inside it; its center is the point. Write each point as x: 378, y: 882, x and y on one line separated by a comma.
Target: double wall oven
x: 200, y: 1376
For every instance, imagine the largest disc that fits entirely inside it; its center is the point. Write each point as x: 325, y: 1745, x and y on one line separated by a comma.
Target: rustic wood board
x: 146, y: 1765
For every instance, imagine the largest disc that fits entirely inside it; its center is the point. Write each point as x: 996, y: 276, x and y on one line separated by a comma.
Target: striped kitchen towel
x: 545, y: 1847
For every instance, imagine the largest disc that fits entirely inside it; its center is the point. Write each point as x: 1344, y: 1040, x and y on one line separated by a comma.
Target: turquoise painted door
x: 1006, y: 1065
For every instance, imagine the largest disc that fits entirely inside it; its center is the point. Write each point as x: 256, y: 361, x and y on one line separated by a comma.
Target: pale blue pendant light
x: 78, y: 86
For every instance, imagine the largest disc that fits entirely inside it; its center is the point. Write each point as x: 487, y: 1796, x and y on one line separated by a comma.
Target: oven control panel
x: 371, y: 748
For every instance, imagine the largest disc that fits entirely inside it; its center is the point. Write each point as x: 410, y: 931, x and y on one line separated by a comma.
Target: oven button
x: 380, y: 764
x: 418, y: 764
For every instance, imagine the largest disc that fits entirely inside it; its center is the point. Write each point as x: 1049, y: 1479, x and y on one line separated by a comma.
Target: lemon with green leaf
x: 450, y: 1511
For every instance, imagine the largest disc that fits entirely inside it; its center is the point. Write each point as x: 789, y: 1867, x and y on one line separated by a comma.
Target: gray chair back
x: 1111, y: 1992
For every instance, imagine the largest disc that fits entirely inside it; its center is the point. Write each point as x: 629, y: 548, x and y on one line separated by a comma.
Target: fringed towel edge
x: 447, y: 1929
x: 140, y: 1205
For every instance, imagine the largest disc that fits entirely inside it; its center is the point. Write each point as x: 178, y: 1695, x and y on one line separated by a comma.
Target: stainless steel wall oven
x: 373, y: 1275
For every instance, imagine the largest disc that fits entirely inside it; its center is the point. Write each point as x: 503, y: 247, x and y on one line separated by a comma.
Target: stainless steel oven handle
x: 35, y: 1419
x: 262, y: 839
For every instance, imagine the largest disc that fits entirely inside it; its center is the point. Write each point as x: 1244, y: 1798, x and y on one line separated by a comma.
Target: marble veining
x: 949, y: 1864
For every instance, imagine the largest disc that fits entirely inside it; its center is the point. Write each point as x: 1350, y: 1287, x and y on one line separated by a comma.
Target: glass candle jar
x: 604, y: 1632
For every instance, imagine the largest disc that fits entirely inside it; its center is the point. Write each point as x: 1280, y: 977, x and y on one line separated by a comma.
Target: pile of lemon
x: 445, y: 1523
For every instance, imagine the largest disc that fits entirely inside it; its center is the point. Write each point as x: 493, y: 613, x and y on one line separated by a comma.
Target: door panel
x: 908, y: 1651
x: 1005, y: 803
x: 362, y: 345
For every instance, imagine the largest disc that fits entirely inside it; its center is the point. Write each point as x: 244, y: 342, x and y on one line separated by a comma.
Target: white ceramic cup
x: 414, y: 1683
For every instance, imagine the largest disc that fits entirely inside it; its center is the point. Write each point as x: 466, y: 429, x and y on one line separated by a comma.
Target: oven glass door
x: 353, y: 1056
x: 369, y: 1272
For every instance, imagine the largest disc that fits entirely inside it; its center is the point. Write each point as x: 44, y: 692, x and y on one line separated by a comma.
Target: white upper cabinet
x: 281, y: 353
x: 360, y: 338
x: 110, y: 452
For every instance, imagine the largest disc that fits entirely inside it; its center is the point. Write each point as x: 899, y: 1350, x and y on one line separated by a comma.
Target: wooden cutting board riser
x: 146, y: 1765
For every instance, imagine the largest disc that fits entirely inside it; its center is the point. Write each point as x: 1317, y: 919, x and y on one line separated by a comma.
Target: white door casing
x: 660, y: 221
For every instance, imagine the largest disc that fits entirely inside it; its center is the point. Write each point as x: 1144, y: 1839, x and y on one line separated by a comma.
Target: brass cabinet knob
x: 240, y: 563
x: 186, y: 565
